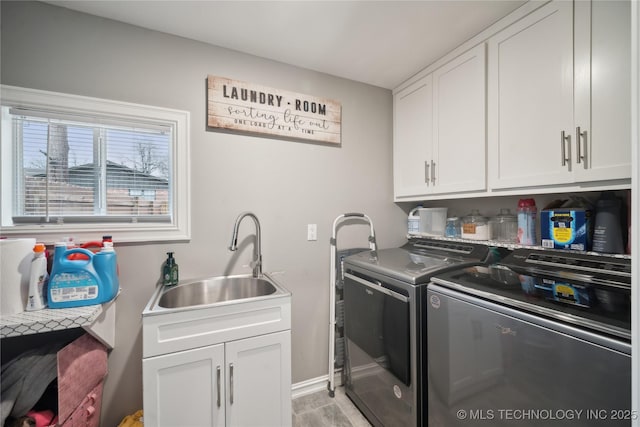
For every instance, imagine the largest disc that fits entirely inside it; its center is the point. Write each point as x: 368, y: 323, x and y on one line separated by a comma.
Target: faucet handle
x: 256, y: 265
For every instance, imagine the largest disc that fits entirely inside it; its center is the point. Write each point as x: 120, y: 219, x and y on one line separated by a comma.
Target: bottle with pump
x: 170, y: 271
x: 37, y: 279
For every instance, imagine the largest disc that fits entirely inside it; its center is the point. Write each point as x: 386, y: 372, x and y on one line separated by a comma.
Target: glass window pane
x: 78, y: 170
x: 137, y: 172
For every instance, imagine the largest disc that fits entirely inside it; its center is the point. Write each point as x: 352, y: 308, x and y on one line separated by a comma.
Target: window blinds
x: 75, y: 168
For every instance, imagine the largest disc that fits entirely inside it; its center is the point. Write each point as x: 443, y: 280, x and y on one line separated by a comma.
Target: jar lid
x: 505, y: 215
x: 474, y: 216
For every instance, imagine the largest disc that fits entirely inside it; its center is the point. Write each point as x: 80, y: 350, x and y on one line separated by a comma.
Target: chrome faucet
x: 256, y: 264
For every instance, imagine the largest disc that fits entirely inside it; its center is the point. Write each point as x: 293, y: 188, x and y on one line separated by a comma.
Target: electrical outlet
x: 312, y: 232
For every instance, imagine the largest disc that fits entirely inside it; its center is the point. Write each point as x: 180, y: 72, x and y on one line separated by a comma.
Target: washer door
x: 378, y: 361
x: 377, y: 320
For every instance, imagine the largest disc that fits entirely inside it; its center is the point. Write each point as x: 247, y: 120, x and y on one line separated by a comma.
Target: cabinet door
x: 603, y: 90
x: 185, y: 388
x: 531, y: 98
x: 259, y: 381
x: 459, y: 138
x: 412, y: 139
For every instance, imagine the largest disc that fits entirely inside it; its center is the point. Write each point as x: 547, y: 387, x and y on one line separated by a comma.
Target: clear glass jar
x: 475, y: 226
x: 504, y: 227
x: 452, y: 228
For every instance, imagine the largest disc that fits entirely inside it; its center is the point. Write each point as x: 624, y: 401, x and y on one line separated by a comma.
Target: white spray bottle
x: 37, y: 279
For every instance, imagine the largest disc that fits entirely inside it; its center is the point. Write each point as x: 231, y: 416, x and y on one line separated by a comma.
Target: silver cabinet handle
x: 231, y: 383
x: 581, y: 147
x: 218, y: 382
x: 433, y: 172
x: 563, y: 139
x: 426, y: 172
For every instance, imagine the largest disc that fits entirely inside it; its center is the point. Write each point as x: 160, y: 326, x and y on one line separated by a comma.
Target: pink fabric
x: 43, y: 418
x: 82, y: 365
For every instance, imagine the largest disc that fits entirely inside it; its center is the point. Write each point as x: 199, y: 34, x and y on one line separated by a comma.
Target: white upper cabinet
x: 412, y: 138
x: 603, y: 90
x: 531, y: 98
x: 459, y: 141
x: 439, y: 130
x: 540, y: 103
x: 539, y: 100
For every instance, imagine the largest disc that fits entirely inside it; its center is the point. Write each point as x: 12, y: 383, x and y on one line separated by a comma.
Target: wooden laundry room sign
x: 247, y: 107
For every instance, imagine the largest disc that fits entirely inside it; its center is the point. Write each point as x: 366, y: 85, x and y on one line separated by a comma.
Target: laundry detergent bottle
x: 413, y: 221
x: 79, y: 282
x: 37, y: 279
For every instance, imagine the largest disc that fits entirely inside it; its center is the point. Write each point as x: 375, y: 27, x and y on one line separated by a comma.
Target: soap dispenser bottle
x: 170, y: 271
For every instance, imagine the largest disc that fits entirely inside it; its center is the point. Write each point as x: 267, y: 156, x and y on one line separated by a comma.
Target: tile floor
x: 320, y: 410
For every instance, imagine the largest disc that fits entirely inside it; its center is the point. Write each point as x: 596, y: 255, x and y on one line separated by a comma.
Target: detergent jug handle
x: 86, y: 252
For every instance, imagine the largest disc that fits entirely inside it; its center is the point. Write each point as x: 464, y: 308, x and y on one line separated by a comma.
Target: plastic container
x: 504, y: 227
x: 432, y: 221
x: 413, y: 221
x: 452, y: 229
x: 607, y: 233
x: 475, y: 226
x: 170, y: 271
x: 80, y: 282
x: 37, y: 279
x: 527, y: 215
x: 15, y: 268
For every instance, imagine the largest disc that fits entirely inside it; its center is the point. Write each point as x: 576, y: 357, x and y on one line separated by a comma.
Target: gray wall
x: 287, y: 184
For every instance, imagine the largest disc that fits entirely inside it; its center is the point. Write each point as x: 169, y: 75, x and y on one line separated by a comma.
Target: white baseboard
x: 314, y: 385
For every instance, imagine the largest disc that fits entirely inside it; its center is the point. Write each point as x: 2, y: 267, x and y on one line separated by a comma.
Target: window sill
x: 122, y: 233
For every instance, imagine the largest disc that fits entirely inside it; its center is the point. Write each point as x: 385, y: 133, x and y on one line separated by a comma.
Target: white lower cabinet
x: 259, y: 381
x: 185, y: 388
x: 220, y: 365
x: 239, y: 383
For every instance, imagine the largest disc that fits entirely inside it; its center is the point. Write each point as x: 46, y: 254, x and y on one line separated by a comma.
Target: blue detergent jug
x: 80, y: 282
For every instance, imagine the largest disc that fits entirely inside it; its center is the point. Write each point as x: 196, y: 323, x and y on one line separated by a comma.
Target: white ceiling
x: 377, y: 42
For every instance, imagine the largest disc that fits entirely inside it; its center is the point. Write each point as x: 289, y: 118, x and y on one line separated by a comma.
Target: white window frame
x: 179, y: 229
